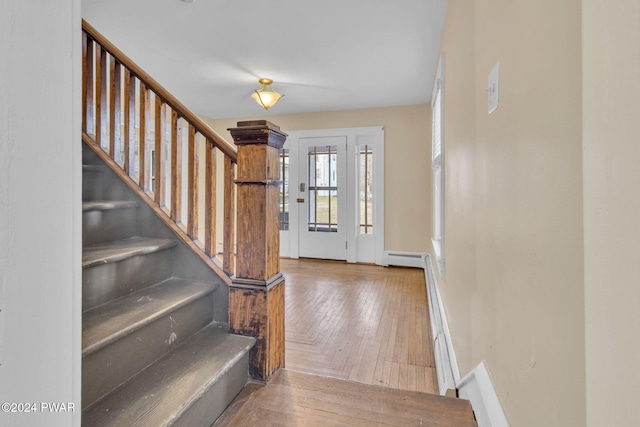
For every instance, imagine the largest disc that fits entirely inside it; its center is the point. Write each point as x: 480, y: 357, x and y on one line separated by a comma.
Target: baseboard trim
x: 477, y: 388
x: 403, y: 259
x: 445, y: 358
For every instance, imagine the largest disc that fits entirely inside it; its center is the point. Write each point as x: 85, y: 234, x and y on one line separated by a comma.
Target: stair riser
x: 101, y: 183
x: 102, y: 283
x: 112, y: 365
x: 105, y: 225
x: 91, y: 185
x: 215, y: 400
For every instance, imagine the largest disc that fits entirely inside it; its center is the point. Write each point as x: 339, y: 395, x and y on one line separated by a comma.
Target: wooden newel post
x: 256, y: 296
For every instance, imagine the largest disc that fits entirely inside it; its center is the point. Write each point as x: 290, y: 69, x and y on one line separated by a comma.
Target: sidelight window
x: 284, y: 189
x: 366, y: 189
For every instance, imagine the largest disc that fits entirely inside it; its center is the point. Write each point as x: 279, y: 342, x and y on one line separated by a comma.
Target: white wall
x: 40, y: 216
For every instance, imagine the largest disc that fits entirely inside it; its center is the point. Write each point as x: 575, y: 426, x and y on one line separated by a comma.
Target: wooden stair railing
x: 133, y: 122
x: 154, y: 143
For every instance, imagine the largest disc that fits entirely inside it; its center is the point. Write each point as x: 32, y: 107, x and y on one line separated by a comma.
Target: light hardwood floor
x: 359, y: 322
x: 297, y: 399
x: 358, y: 353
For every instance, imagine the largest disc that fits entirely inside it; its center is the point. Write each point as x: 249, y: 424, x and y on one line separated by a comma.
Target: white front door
x: 322, y: 208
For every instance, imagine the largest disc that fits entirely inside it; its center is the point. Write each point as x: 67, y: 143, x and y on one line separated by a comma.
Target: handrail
x: 156, y: 144
x: 157, y: 88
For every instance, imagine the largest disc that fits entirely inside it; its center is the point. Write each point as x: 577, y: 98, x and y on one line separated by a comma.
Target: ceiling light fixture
x: 266, y: 98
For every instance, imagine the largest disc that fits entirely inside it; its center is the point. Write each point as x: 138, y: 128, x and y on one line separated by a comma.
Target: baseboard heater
x: 446, y: 365
x: 404, y: 259
x: 475, y: 386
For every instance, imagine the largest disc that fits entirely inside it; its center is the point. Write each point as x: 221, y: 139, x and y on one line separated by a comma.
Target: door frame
x: 360, y: 247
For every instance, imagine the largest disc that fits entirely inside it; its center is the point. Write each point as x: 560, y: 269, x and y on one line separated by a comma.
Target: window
x: 284, y: 189
x: 152, y: 171
x: 365, y: 188
x: 437, y: 165
x: 323, y: 189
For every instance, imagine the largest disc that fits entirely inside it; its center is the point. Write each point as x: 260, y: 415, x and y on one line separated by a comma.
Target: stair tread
x: 105, y: 205
x: 119, y: 250
x: 109, y: 322
x: 159, y: 394
x: 92, y: 168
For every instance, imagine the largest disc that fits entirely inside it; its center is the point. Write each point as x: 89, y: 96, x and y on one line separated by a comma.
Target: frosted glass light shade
x: 266, y: 97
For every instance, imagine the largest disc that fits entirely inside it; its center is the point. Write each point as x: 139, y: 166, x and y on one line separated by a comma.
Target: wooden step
x: 296, y: 398
x: 104, y: 221
x: 110, y: 252
x: 154, y: 350
x: 125, y: 335
x: 114, y: 269
x: 191, y: 386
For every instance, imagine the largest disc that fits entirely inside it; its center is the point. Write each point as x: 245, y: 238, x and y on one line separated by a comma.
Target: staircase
x: 155, y: 347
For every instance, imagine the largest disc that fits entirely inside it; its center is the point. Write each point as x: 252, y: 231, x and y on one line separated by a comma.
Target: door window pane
x: 323, y: 189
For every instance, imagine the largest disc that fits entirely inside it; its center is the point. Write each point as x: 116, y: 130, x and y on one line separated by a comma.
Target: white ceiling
x: 323, y: 55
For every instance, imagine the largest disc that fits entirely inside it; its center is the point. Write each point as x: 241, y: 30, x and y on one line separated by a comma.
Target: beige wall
x: 514, y: 292
x: 407, y: 168
x: 611, y: 126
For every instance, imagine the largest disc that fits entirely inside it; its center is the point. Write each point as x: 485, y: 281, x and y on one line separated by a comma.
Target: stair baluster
x: 140, y: 125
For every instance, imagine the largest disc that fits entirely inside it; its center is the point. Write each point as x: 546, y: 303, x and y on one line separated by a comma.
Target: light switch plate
x: 493, y: 89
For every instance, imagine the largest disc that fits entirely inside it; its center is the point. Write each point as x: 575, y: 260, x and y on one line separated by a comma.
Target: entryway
x: 332, y: 194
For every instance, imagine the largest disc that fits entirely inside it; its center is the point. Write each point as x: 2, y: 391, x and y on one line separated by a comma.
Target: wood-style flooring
x: 358, y: 353
x: 297, y: 399
x: 357, y: 322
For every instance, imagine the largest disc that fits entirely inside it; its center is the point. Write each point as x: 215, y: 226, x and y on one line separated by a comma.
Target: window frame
x: 438, y: 167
